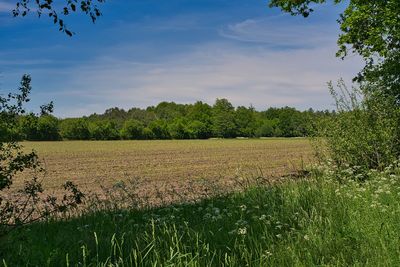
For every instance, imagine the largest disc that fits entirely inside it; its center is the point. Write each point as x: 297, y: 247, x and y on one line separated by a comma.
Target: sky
x: 142, y: 52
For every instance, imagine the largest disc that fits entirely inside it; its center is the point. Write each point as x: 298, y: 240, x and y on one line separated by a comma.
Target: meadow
x: 163, y: 163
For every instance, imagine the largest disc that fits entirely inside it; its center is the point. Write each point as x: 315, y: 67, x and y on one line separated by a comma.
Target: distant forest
x: 169, y: 120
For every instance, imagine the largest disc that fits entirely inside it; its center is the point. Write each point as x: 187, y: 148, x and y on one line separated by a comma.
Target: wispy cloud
x: 185, y: 54
x: 260, y: 77
x: 277, y: 32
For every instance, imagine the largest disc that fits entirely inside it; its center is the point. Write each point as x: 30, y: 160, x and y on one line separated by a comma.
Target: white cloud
x: 279, y: 32
x: 257, y: 61
x: 260, y: 77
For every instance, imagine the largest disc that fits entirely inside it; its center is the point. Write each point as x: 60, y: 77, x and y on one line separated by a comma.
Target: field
x: 91, y: 163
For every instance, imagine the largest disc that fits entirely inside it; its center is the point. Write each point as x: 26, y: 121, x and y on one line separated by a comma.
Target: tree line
x: 169, y: 120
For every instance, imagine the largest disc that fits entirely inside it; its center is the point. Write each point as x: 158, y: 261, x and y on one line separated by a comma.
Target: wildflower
x: 267, y: 253
x: 242, y: 231
x: 306, y: 237
x: 243, y: 207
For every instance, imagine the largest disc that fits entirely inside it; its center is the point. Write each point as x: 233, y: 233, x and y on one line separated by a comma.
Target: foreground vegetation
x: 316, y: 221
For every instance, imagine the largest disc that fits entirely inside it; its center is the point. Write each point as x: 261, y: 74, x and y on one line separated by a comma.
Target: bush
x: 365, y: 130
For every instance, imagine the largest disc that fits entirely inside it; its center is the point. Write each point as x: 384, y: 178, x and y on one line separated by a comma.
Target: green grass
x: 299, y: 223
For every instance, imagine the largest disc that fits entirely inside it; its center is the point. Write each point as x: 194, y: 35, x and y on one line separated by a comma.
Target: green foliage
x: 132, y: 129
x: 43, y: 128
x: 268, y: 128
x: 159, y: 129
x: 245, y: 119
x: 75, y: 129
x: 179, y: 121
x: 103, y: 130
x: 364, y: 132
x: 199, y: 130
x: 178, y: 129
x: 223, y: 118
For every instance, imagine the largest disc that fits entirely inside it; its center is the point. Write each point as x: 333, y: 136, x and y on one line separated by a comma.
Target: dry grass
x: 90, y: 163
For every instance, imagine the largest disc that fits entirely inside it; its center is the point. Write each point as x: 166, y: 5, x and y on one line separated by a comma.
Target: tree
x: 245, y: 119
x: 103, y: 130
x: 223, y: 119
x: 58, y: 12
x: 201, y: 112
x: 178, y: 129
x: 199, y: 130
x: 75, y: 129
x: 132, y: 129
x: 268, y: 128
x: 159, y: 129
x: 369, y: 28
x: 47, y: 128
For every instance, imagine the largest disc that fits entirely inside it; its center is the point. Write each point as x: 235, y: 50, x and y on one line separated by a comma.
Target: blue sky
x: 141, y: 52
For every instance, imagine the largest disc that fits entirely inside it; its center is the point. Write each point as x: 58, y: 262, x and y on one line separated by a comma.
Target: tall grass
x: 318, y: 221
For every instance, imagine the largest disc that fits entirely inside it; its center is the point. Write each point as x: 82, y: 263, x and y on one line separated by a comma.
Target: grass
x: 317, y: 221
x: 89, y: 163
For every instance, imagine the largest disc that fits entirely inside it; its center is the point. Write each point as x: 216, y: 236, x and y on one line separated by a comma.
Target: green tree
x: 200, y: 111
x: 178, y: 129
x: 268, y: 128
x: 148, y: 134
x: 199, y: 130
x: 160, y: 129
x: 48, y: 128
x: 28, y: 127
x: 75, y: 129
x: 103, y: 130
x: 245, y: 119
x: 223, y: 119
x: 132, y: 129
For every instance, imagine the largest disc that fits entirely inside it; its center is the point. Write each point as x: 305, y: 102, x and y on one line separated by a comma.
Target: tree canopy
x: 168, y: 120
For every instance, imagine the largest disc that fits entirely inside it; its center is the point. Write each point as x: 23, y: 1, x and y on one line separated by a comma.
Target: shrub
x: 364, y: 132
